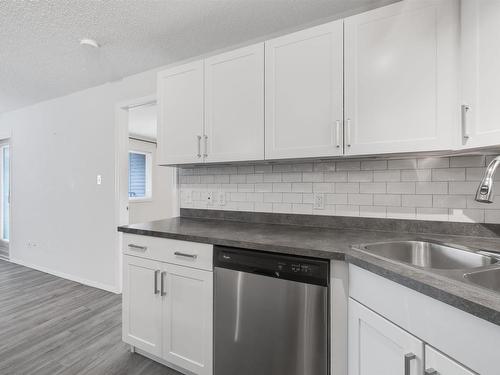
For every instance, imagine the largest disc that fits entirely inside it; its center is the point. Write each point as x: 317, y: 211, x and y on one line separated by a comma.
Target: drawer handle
x: 137, y: 247
x: 408, y: 358
x: 192, y: 256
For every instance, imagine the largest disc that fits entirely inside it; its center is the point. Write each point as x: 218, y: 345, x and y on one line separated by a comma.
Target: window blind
x: 137, y: 175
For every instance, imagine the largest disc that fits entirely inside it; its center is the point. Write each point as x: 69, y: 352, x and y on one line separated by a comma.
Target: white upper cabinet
x: 401, y: 78
x: 180, y: 116
x: 437, y: 363
x: 480, y: 72
x: 304, y: 93
x: 376, y: 346
x: 234, y: 105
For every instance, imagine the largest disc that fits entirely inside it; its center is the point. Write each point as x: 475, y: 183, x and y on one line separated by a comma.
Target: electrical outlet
x: 210, y: 198
x: 222, y: 198
x: 319, y: 201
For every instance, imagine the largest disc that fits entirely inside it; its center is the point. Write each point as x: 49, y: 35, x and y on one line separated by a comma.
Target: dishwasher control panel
x: 289, y: 267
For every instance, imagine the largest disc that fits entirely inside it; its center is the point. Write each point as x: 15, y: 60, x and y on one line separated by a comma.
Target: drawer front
x: 182, y: 253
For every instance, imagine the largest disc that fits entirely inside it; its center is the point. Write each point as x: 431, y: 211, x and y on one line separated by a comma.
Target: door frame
x: 6, y: 142
x: 121, y: 174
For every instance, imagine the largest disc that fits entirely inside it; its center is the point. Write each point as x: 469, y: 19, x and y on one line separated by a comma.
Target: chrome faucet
x: 485, y: 189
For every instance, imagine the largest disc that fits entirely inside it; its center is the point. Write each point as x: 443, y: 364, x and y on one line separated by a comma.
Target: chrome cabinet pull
x: 431, y: 371
x: 156, y: 282
x: 137, y: 247
x: 199, y: 146
x: 348, y: 133
x: 465, y: 131
x: 337, y: 131
x: 192, y: 256
x: 163, y: 292
x: 408, y: 358
x: 205, y: 153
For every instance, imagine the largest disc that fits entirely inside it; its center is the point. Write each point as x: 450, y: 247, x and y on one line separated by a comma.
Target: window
x: 139, y: 175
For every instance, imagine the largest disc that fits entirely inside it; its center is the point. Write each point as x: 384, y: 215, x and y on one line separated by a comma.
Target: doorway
x: 5, y: 172
x: 149, y: 195
x: 136, y: 150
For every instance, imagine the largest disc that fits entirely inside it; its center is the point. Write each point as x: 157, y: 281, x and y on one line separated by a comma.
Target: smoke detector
x: 89, y: 42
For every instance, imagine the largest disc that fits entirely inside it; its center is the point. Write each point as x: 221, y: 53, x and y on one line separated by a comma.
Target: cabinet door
x: 304, y: 93
x: 187, y: 318
x: 142, y: 304
x: 401, y: 78
x: 377, y: 346
x: 437, y: 363
x: 234, y: 105
x: 180, y: 114
x: 480, y: 73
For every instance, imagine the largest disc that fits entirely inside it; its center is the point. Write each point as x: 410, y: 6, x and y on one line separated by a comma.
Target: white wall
x: 161, y: 201
x: 59, y: 146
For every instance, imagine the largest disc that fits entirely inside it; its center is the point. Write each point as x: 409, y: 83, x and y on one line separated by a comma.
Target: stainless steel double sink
x: 475, y: 266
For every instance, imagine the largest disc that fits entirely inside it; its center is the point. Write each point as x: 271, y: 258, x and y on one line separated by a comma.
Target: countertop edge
x: 330, y: 255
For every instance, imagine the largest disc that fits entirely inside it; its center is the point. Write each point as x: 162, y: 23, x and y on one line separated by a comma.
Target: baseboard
x: 163, y: 362
x: 109, y: 288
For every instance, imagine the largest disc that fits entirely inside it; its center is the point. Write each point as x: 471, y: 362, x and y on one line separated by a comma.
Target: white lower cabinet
x: 390, y: 324
x: 167, y: 307
x: 437, y: 363
x: 376, y: 346
x: 142, y: 304
x: 187, y: 319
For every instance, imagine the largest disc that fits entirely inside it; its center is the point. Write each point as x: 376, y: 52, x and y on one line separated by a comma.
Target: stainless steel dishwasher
x: 271, y: 314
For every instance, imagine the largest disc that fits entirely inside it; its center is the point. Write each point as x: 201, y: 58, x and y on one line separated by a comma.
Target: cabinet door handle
x: 431, y: 371
x: 465, y: 130
x: 199, y: 146
x: 137, y: 247
x: 156, y: 291
x: 348, y: 133
x: 408, y: 358
x: 163, y: 292
x: 205, y: 144
x: 192, y: 256
x: 337, y: 132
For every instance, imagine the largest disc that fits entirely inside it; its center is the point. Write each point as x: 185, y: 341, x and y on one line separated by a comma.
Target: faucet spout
x: 484, y: 192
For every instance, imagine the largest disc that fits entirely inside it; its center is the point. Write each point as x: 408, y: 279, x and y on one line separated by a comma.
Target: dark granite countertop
x: 338, y: 244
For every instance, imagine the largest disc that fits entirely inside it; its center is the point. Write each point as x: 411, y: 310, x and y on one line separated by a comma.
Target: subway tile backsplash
x: 421, y: 188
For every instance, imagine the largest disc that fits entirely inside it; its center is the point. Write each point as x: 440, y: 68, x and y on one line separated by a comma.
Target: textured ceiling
x: 40, y: 57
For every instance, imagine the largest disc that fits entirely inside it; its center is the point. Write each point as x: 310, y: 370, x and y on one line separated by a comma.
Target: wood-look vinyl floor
x: 53, y: 326
x: 4, y: 252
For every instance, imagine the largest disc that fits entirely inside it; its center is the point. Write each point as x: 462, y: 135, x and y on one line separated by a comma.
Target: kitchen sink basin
x: 489, y: 279
x: 430, y: 255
